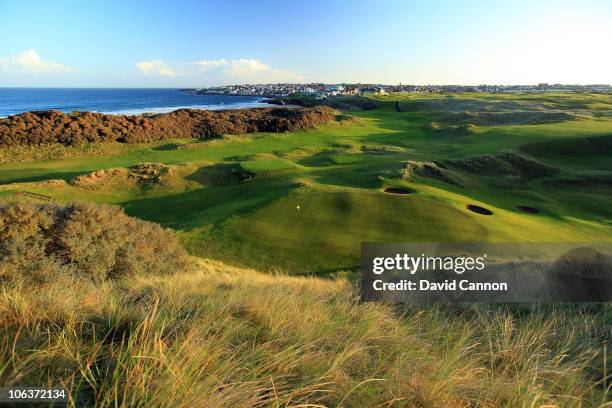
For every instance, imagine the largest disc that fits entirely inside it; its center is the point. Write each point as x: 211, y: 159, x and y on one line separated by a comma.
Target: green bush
x: 39, y: 242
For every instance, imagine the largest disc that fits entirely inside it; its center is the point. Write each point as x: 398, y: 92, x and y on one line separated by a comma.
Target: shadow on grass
x: 359, y: 175
x: 320, y: 159
x: 166, y: 147
x: 219, y: 174
x: 21, y: 176
x: 209, y: 205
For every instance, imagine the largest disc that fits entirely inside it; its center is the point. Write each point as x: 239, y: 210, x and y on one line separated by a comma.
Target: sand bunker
x: 527, y: 209
x: 396, y: 190
x: 479, y: 210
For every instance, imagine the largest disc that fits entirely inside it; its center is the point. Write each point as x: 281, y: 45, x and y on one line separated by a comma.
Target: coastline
x: 115, y: 101
x: 163, y: 109
x: 170, y: 109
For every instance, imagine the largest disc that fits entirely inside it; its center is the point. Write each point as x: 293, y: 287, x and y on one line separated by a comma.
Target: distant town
x: 321, y: 91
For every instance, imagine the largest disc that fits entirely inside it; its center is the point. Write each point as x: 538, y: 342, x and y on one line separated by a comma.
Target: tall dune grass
x: 228, y: 337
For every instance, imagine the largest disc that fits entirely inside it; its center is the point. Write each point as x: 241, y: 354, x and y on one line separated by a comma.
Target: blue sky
x: 204, y: 43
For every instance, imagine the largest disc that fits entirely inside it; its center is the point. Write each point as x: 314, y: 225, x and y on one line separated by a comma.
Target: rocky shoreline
x: 77, y: 128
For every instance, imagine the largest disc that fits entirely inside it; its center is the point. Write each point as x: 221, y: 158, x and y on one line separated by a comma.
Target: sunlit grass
x: 227, y: 337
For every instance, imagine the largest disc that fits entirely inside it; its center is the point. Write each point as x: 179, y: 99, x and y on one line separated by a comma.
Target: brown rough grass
x: 228, y: 337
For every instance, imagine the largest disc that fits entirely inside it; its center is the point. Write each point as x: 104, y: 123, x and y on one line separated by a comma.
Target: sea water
x: 118, y: 101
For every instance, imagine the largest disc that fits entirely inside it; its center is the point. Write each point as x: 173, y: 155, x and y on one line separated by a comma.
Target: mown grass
x: 345, y: 158
x: 308, y: 226
x: 267, y: 165
x: 228, y: 337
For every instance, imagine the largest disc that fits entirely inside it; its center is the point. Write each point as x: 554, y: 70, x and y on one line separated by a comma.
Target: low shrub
x: 40, y: 242
x: 78, y: 128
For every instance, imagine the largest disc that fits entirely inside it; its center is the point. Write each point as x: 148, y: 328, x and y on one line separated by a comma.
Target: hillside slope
x: 229, y: 337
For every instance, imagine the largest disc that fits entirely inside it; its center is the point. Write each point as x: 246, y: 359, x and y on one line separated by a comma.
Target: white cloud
x: 146, y: 66
x: 30, y: 62
x: 220, y: 71
x: 155, y: 67
x: 206, y: 65
x: 166, y: 72
x: 243, y: 69
x: 237, y: 66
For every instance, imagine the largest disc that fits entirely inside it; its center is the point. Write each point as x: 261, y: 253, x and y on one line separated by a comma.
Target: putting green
x: 267, y: 165
x: 324, y: 230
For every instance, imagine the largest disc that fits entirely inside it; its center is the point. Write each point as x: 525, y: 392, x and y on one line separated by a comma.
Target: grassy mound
x: 316, y: 231
x: 508, y: 163
x: 43, y: 242
x: 99, y: 179
x: 431, y: 170
x: 454, y: 110
x: 226, y: 337
x: 140, y: 176
x: 449, y: 130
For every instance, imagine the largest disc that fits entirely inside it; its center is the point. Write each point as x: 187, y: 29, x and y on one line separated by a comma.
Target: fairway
x: 302, y: 202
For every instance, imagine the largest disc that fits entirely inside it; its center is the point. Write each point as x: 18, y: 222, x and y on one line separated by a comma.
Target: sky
x: 201, y: 43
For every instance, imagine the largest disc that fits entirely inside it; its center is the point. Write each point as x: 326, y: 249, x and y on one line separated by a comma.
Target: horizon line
x: 306, y: 83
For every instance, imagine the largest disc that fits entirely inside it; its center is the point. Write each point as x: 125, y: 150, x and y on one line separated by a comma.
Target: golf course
x: 317, y: 204
x: 413, y: 169
x: 202, y: 305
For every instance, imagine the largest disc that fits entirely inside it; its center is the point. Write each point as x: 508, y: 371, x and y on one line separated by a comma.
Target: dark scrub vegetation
x: 41, y: 242
x: 46, y: 127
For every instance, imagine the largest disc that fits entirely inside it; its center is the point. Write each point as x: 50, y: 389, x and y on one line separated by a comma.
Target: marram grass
x: 229, y: 337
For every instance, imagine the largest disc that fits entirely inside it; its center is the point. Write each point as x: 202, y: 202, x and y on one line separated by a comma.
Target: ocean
x: 118, y: 101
